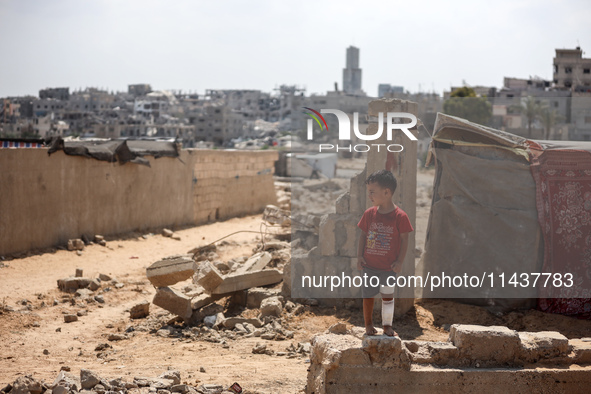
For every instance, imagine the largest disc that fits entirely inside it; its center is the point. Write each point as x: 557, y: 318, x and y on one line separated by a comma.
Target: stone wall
x: 46, y: 200
x: 474, y: 359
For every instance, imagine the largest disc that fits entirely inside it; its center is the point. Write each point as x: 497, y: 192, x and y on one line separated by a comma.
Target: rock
x: 67, y: 380
x: 99, y: 298
x: 171, y: 270
x: 79, y: 273
x: 202, y: 369
x: 88, y: 378
x: 94, y: 285
x: 260, y: 348
x: 117, y: 337
x: 105, y: 277
x: 45, y: 351
x: 70, y: 318
x: 209, y: 277
x: 83, y: 294
x: 231, y: 322
x: 140, y: 311
x: 180, y: 388
x: 26, y: 385
x: 98, y: 238
x: 175, y: 236
x: 60, y: 390
x: 72, y: 284
x: 102, y: 243
x: 270, y: 335
x: 221, y: 265
x: 167, y: 233
x: 210, y: 389
x: 75, y: 244
x: 338, y: 328
x: 271, y: 307
x: 255, y: 295
x: 173, y: 375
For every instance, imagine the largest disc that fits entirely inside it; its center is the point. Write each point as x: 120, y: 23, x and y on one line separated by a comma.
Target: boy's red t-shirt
x: 383, y: 236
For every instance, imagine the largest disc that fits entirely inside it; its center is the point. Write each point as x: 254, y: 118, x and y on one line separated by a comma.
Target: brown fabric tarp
x: 483, y: 217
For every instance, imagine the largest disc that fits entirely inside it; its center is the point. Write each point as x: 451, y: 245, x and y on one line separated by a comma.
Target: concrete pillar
x: 404, y: 167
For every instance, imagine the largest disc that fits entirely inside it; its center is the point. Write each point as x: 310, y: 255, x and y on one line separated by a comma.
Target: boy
x: 382, y: 248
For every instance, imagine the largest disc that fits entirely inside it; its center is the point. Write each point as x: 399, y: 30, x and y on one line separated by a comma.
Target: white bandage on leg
x: 387, y: 312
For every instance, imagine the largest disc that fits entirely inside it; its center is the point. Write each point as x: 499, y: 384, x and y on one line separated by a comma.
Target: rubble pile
x: 90, y: 382
x: 242, y: 286
x: 85, y: 291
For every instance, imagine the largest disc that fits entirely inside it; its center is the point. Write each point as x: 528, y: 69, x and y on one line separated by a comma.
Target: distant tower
x: 352, y: 74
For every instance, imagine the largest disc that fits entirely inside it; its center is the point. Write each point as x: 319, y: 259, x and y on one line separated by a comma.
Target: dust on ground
x: 35, y: 340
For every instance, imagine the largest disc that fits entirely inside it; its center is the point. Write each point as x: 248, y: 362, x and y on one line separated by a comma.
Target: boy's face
x: 378, y: 195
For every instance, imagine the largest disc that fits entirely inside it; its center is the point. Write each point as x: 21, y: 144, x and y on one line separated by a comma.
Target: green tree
x: 464, y: 103
x: 549, y: 118
x: 532, y: 109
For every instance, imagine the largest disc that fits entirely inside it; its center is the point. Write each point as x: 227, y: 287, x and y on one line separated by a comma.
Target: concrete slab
x: 235, y: 282
x: 171, y: 270
x: 173, y: 301
x: 256, y: 262
x: 209, y: 277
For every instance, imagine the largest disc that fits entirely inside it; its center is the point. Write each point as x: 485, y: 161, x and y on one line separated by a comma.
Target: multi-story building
x: 352, y: 72
x: 571, y: 70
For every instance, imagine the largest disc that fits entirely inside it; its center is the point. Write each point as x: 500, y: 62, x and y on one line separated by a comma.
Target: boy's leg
x: 367, y: 316
x: 387, y: 293
x: 387, y: 316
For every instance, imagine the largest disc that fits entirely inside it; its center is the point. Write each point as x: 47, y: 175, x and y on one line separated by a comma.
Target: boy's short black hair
x: 384, y: 178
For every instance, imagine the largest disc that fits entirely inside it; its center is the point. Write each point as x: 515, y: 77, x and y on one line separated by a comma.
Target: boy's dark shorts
x: 370, y: 291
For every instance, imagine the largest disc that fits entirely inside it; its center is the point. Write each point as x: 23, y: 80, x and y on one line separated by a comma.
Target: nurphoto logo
x: 392, y: 119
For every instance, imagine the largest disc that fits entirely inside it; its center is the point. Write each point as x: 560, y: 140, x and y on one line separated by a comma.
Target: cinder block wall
x: 46, y: 200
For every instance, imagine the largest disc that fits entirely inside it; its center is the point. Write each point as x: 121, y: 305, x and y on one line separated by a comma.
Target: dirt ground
x: 35, y: 340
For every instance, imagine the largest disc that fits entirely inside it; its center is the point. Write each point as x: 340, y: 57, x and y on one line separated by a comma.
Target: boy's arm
x: 360, y: 250
x: 397, y: 265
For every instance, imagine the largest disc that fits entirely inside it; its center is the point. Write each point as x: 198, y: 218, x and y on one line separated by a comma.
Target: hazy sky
x: 198, y: 45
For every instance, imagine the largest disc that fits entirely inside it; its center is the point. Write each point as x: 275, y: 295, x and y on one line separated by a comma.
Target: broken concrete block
x: 25, y: 385
x: 68, y: 380
x: 338, y: 328
x: 271, y: 307
x: 139, y: 311
x: 167, y: 233
x: 426, y: 352
x: 173, y: 301
x: 256, y: 295
x: 209, y: 277
x: 387, y: 352
x: 494, y: 345
x: 542, y: 345
x: 88, y: 379
x: 275, y: 215
x: 214, y: 321
x: 231, y: 322
x: 235, y: 282
x: 342, y: 204
x: 171, y: 270
x: 256, y: 262
x: 98, y: 238
x: 203, y: 300
x: 581, y: 350
x: 94, y: 285
x: 73, y: 284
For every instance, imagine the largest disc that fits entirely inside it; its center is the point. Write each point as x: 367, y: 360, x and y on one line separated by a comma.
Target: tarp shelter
x: 505, y: 205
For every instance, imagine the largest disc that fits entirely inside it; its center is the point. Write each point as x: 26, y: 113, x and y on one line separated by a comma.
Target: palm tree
x: 532, y: 109
x: 549, y: 118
